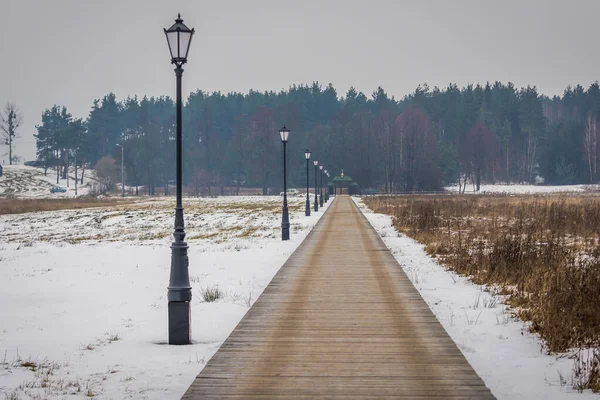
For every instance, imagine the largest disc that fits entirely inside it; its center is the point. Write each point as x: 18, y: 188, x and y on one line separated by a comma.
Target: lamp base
x: 285, y: 224
x: 179, y: 323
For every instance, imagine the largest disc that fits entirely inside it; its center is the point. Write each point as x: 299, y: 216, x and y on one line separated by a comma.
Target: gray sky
x: 69, y: 52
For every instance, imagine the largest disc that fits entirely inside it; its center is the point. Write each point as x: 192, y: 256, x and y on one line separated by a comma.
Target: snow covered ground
x: 83, y: 293
x: 30, y: 182
x: 526, y: 189
x: 508, y: 358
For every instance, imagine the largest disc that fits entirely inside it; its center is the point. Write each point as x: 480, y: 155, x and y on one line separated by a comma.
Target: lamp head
x: 284, y: 133
x: 179, y: 38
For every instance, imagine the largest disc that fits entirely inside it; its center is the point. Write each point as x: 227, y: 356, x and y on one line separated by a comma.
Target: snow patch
x: 94, y: 312
x: 526, y: 189
x: 21, y: 181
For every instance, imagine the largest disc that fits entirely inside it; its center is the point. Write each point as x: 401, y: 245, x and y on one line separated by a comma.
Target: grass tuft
x: 586, y: 370
x: 211, y: 293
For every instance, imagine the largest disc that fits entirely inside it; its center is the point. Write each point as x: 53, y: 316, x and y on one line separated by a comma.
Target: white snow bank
x: 508, y: 358
x: 526, y: 189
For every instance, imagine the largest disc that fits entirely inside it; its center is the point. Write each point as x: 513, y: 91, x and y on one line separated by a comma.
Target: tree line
x: 428, y: 139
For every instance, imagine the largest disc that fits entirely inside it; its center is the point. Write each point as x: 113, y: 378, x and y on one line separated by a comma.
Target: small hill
x: 30, y: 182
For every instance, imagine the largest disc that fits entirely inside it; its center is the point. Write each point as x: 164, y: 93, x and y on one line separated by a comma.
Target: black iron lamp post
x: 321, y: 187
x: 307, y: 212
x: 316, y: 163
x: 285, y: 219
x: 179, y: 37
x: 326, y: 188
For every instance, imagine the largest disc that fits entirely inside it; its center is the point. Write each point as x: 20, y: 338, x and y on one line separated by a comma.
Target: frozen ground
x: 526, y: 189
x: 83, y: 293
x: 508, y: 358
x: 29, y: 182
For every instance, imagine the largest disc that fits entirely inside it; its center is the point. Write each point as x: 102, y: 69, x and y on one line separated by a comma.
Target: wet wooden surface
x: 340, y: 320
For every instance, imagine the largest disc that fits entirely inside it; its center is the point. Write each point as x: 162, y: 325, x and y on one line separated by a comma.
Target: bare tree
x: 108, y: 174
x: 478, y: 149
x: 419, y: 166
x: 10, y: 119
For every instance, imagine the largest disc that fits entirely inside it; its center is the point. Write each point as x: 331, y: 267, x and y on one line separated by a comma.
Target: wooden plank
x: 340, y: 320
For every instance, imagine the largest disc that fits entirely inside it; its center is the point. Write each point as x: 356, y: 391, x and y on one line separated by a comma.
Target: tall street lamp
x: 326, y: 188
x: 316, y: 163
x: 307, y: 212
x: 179, y: 37
x: 285, y: 219
x: 122, y: 174
x: 321, y: 187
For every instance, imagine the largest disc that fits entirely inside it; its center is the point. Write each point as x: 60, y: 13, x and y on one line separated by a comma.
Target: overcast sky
x: 69, y: 52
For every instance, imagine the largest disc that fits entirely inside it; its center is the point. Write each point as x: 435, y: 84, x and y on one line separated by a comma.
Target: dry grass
x: 543, y: 252
x: 211, y: 293
x: 20, y: 206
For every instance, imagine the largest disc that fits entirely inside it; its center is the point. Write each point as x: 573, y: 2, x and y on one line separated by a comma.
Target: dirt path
x: 340, y: 320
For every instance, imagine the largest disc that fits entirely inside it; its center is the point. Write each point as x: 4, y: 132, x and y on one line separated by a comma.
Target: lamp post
x: 179, y: 37
x: 307, y: 212
x: 122, y: 174
x: 316, y: 163
x: 326, y: 188
x: 321, y: 187
x: 285, y: 219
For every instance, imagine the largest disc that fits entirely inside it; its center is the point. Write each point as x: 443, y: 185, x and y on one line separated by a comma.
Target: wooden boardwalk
x: 340, y: 320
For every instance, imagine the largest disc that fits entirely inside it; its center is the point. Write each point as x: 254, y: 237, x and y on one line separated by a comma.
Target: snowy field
x: 20, y: 181
x: 526, y: 189
x: 84, y: 298
x: 508, y: 358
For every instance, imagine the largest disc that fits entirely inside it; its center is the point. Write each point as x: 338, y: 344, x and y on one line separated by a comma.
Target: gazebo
x: 344, y: 183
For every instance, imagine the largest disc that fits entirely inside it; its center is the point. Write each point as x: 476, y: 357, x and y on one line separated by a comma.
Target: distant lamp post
x: 326, y: 187
x: 122, y: 173
x: 285, y: 219
x: 321, y: 187
x: 307, y: 212
x: 316, y: 163
x: 179, y: 37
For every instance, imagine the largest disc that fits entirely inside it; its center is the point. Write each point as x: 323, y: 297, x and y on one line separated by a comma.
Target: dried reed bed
x: 543, y: 252
x: 20, y: 206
